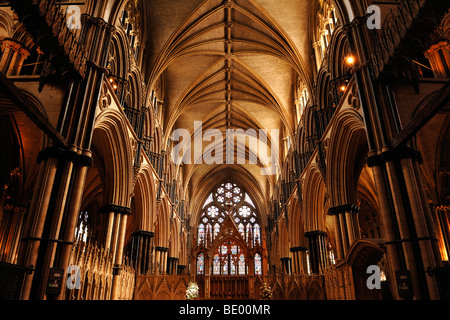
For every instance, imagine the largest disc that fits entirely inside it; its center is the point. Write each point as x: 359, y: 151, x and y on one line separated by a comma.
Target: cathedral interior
x: 301, y: 145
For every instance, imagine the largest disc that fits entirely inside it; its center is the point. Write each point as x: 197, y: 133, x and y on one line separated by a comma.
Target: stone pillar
x: 286, y: 265
x: 442, y: 215
x: 49, y: 217
x: 141, y: 251
x: 49, y: 231
x: 339, y: 233
x: 161, y: 260
x: 14, y: 55
x: 34, y: 230
x: 317, y: 250
x: 424, y: 231
x: 157, y: 261
x: 344, y: 233
x: 299, y: 264
x: 398, y: 189
x: 56, y: 220
x: 82, y: 165
x: 439, y: 56
x: 303, y: 260
x: 114, y: 233
x: 172, y: 263
x: 117, y: 244
x: 295, y: 264
x: 345, y: 218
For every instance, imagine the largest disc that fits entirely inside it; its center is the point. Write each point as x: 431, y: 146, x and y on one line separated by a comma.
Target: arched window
x: 257, y: 233
x: 229, y: 260
x: 226, y: 202
x: 229, y: 199
x: 258, y: 264
x: 242, y: 265
x: 216, y: 265
x: 201, y: 233
x: 129, y: 22
x: 201, y: 263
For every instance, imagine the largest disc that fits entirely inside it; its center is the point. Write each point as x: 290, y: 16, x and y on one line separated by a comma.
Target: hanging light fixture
x: 350, y: 60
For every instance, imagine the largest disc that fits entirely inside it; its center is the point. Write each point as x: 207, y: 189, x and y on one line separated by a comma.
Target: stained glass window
x: 244, y: 211
x: 208, y: 201
x: 248, y: 233
x: 216, y: 265
x: 242, y: 230
x: 224, y: 250
x: 307, y: 263
x: 216, y: 229
x: 213, y: 211
x: 200, y: 263
x: 331, y: 254
x: 242, y: 264
x: 225, y: 266
x: 230, y: 200
x: 201, y: 234
x: 258, y: 264
x: 232, y: 266
x: 217, y: 207
x: 249, y: 200
x: 229, y: 194
x: 209, y: 233
x: 256, y: 235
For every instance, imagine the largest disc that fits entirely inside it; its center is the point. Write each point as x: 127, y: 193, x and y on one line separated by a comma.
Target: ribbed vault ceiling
x: 230, y: 64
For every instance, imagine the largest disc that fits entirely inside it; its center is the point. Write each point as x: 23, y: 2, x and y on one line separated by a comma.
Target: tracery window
x: 229, y: 260
x: 229, y: 199
x: 230, y: 257
x: 201, y: 263
x: 129, y: 22
x: 258, y: 264
x: 201, y: 233
x: 327, y: 23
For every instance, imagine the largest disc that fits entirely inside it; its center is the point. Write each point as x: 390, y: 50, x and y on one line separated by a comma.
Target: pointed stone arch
x: 283, y: 239
x: 111, y: 143
x: 145, y: 199
x: 314, y: 199
x: 345, y: 155
x: 162, y: 227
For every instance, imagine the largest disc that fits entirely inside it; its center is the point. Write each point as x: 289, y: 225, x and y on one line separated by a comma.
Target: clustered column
x: 317, y: 250
x: 346, y: 227
x: 50, y: 229
x: 299, y: 265
x: 13, y: 57
x: 172, y: 265
x: 411, y: 244
x: 115, y: 239
x: 142, y: 251
x: 161, y: 260
x: 286, y: 264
